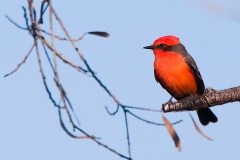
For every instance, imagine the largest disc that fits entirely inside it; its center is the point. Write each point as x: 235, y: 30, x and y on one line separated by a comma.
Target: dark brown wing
x: 192, y: 66
x: 194, y: 69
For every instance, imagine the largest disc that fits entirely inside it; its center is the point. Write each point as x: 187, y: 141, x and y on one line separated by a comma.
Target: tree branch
x: 210, y: 98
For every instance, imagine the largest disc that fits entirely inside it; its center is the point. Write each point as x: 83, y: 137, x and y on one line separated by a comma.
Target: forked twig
x: 65, y: 39
x: 65, y: 128
x: 101, y: 144
x: 65, y: 60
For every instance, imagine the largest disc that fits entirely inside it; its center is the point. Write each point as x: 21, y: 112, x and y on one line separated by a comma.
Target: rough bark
x: 210, y: 98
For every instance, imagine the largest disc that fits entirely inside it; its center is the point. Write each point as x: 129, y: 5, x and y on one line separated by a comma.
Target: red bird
x: 177, y: 72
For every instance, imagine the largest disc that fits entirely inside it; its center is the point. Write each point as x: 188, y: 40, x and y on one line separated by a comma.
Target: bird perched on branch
x: 177, y: 72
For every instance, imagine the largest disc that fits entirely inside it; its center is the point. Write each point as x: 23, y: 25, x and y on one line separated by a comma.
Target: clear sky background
x: 29, y: 123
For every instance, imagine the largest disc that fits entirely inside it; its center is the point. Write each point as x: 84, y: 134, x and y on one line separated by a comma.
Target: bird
x: 178, y: 74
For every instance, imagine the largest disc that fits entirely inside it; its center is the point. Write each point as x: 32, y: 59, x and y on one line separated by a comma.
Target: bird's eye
x: 162, y: 46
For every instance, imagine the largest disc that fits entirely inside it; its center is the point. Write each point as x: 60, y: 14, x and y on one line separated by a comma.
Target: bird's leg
x: 169, y: 101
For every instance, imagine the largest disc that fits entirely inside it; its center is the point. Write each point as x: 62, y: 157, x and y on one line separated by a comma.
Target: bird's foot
x: 169, y: 101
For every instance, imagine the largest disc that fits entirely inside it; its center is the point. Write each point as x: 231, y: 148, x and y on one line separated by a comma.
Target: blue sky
x: 29, y: 123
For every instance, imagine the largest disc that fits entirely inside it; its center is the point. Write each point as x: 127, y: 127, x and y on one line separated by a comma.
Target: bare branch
x: 127, y: 130
x: 101, y: 144
x: 98, y: 33
x: 83, y: 59
x: 23, y: 61
x: 143, y: 109
x: 65, y: 60
x: 15, y: 23
x: 144, y: 120
x: 210, y: 98
x: 25, y: 17
x: 150, y: 122
x: 113, y: 113
x: 31, y: 8
x: 44, y: 79
x: 65, y: 129
x: 65, y: 39
x: 42, y: 11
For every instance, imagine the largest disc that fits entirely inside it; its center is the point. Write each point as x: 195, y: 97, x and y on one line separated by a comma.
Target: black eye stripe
x: 162, y: 46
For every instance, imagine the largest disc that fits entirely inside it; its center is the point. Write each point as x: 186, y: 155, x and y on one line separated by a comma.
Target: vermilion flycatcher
x: 177, y: 72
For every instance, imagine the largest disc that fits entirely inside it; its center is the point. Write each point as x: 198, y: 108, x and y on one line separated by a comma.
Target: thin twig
x: 84, y: 60
x: 127, y: 131
x: 103, y: 145
x: 65, y: 129
x: 15, y: 23
x: 44, y: 79
x: 58, y: 83
x: 71, y: 107
x: 23, y: 61
x: 144, y: 109
x: 93, y: 75
x: 48, y: 58
x: 67, y: 99
x: 42, y: 11
x: 112, y: 113
x: 25, y: 17
x: 65, y: 60
x: 144, y: 120
x: 65, y: 39
x: 150, y: 122
x: 30, y: 8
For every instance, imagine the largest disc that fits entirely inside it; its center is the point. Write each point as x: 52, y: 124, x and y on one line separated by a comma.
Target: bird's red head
x: 167, y: 40
x: 163, y: 42
x: 164, y: 45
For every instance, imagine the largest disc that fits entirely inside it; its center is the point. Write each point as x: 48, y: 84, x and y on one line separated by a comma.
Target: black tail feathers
x: 206, y: 115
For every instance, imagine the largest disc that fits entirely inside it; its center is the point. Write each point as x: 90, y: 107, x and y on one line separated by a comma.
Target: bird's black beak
x: 149, y: 47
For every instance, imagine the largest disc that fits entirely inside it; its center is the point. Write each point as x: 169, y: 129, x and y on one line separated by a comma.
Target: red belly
x: 175, y: 76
